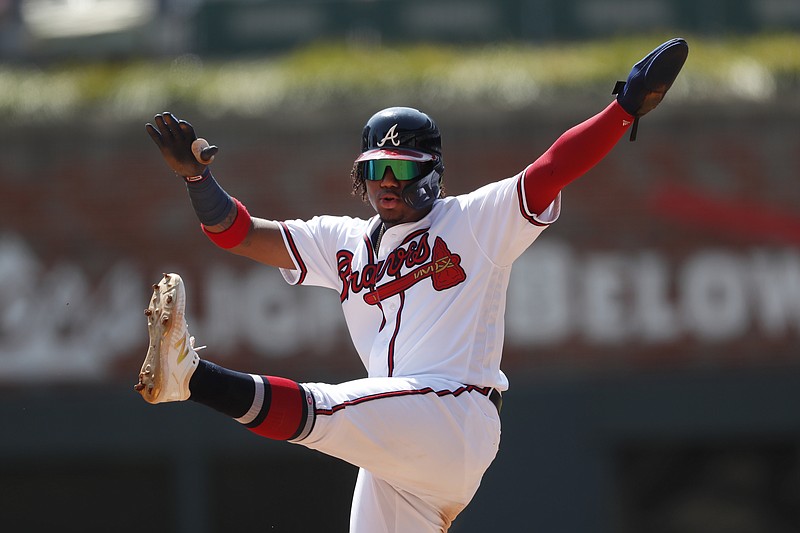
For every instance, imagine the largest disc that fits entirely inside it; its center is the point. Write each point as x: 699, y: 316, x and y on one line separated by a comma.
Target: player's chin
x: 390, y: 216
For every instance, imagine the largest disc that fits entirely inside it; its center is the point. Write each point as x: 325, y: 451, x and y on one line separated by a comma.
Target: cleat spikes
x: 171, y: 356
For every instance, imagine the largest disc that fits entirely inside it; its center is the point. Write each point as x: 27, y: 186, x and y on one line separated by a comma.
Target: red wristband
x: 236, y: 233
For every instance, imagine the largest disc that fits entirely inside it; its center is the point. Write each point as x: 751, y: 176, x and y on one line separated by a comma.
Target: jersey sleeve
x: 501, y: 222
x: 312, y: 245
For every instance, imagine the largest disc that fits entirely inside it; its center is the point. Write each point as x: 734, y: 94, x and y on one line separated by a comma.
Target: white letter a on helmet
x: 391, y: 135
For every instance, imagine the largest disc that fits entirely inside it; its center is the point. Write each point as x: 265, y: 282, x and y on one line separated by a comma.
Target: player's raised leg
x: 273, y: 407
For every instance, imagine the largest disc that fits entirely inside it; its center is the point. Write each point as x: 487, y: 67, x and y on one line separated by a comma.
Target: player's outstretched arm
x: 583, y: 146
x: 224, y: 219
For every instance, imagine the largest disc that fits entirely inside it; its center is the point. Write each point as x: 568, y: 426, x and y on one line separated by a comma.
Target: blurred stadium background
x: 652, y: 333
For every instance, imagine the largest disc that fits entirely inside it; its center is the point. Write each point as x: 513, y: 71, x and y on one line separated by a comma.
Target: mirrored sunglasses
x: 403, y: 170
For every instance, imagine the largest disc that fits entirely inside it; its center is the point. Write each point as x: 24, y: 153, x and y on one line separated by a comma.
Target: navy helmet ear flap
x: 423, y: 192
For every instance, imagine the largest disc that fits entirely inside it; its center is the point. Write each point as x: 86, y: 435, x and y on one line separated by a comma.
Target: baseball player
x: 423, y: 288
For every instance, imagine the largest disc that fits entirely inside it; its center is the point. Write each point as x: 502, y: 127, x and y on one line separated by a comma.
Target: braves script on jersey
x: 431, y: 300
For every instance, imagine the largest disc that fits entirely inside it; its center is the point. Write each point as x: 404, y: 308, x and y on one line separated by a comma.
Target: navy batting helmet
x: 407, y: 134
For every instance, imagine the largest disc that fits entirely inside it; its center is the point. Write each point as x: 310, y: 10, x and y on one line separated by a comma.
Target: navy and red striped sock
x: 273, y: 407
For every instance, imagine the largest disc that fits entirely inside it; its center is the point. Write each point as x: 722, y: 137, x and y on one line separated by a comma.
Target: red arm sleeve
x: 573, y: 154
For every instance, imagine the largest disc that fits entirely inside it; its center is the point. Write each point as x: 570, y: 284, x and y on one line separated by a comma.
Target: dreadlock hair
x: 359, y: 187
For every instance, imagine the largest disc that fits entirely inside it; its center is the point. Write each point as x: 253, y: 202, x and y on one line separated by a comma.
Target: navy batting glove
x: 178, y: 144
x: 651, y: 78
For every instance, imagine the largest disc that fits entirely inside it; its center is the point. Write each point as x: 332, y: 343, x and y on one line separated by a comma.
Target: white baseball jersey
x: 431, y: 300
x: 425, y: 312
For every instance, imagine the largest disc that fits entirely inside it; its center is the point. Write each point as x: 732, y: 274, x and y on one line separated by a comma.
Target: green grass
x: 327, y: 75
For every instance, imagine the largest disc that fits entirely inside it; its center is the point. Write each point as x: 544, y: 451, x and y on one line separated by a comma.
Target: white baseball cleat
x: 171, y: 358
